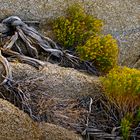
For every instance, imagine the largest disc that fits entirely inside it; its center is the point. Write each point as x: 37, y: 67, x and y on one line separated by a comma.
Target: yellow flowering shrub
x: 129, y: 122
x: 122, y: 86
x: 76, y: 27
x: 101, y: 50
x: 126, y: 123
x: 81, y: 32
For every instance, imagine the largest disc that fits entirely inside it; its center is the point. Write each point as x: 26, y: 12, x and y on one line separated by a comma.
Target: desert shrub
x: 101, y: 50
x: 138, y: 116
x: 126, y: 123
x: 122, y: 86
x: 129, y: 123
x: 81, y: 33
x: 75, y: 27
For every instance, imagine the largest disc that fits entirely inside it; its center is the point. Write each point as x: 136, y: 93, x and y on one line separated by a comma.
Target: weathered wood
x: 32, y: 41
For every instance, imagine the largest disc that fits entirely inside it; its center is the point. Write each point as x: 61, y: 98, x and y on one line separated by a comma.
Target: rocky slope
x: 16, y: 125
x: 55, y: 81
x: 54, y: 93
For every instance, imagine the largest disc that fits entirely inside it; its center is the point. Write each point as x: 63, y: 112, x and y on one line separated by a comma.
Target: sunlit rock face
x: 31, y: 9
x: 15, y: 124
x: 56, y: 81
x: 121, y: 19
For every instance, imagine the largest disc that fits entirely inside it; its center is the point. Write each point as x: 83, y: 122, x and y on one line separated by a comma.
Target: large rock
x: 16, y: 125
x: 48, y: 89
x: 54, y: 91
x: 31, y: 9
x: 55, y: 81
x: 54, y: 132
x: 122, y: 20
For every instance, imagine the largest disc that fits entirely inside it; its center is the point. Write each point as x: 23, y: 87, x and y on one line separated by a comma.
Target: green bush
x: 126, y: 124
x: 122, y: 86
x: 76, y: 27
x: 81, y: 32
x: 101, y: 50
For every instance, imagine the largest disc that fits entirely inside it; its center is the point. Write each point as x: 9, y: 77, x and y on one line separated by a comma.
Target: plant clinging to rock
x: 122, y: 89
x: 102, y: 51
x: 126, y: 123
x: 22, y: 42
x: 122, y: 86
x: 75, y: 27
x: 81, y: 32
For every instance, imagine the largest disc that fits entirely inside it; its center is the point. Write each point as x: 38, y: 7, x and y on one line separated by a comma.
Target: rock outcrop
x: 55, y: 81
x: 15, y: 124
x: 50, y: 88
x: 121, y: 20
x: 54, y: 132
x: 31, y: 9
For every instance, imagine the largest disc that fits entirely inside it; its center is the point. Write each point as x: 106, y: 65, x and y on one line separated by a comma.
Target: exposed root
x: 7, y: 70
x: 19, y: 41
x: 32, y: 42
